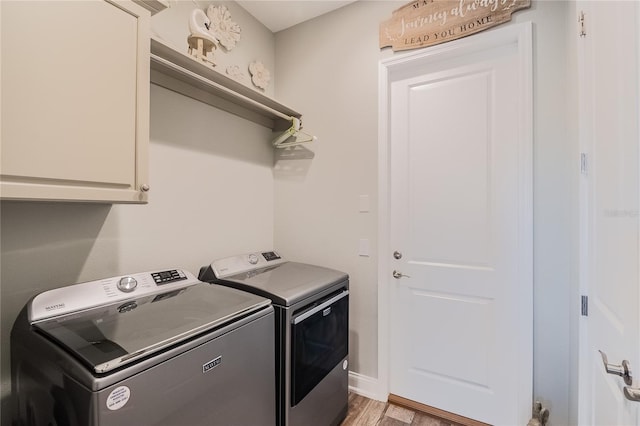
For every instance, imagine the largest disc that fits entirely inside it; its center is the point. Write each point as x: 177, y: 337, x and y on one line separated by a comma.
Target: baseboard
x: 365, y: 386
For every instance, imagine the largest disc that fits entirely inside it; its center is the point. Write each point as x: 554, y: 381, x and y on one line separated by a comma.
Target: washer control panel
x: 77, y: 297
x: 270, y: 256
x: 127, y: 284
x: 165, y: 277
x: 245, y: 262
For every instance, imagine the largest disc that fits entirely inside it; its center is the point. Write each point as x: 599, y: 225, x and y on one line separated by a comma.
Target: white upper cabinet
x: 75, y: 101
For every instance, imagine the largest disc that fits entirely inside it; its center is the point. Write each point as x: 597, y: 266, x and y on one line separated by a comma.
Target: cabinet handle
x: 144, y: 187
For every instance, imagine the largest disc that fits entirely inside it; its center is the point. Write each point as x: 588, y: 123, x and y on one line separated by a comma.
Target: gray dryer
x: 312, y: 331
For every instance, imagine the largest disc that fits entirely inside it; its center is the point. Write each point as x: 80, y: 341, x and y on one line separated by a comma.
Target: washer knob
x: 127, y: 284
x: 253, y: 259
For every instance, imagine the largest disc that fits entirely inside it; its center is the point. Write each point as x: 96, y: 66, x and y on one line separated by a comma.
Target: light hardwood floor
x: 367, y: 412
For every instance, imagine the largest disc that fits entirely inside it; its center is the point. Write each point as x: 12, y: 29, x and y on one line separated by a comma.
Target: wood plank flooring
x: 367, y: 412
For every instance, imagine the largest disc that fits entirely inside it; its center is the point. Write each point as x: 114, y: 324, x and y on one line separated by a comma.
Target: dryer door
x: 320, y: 340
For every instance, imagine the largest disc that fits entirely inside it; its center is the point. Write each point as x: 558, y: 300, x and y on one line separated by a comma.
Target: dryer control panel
x: 78, y: 297
x: 233, y: 265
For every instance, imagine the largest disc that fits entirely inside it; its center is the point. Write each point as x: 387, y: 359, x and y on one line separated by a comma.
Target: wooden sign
x: 424, y: 23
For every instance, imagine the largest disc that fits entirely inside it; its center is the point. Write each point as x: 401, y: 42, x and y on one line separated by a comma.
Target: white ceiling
x: 280, y: 15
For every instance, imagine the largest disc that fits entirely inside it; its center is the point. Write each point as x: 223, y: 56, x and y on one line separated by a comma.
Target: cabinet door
x: 75, y: 101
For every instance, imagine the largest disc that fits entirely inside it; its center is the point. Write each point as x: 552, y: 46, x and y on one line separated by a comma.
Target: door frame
x: 396, y: 68
x: 585, y: 140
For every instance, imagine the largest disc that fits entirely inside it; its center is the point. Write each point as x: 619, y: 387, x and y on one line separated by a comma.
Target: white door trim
x: 584, y: 111
x: 586, y: 142
x: 392, y: 69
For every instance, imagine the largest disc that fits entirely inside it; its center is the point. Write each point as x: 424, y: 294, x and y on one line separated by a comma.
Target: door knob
x: 623, y: 370
x: 632, y: 394
x: 397, y: 275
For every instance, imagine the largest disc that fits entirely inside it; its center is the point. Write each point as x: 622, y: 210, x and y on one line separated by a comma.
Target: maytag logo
x: 211, y: 364
x: 54, y: 307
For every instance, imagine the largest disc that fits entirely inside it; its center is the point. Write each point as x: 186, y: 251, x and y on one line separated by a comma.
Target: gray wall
x: 329, y: 68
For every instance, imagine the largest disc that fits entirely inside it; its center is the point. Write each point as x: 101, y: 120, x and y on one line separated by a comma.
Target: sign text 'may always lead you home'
x: 425, y: 23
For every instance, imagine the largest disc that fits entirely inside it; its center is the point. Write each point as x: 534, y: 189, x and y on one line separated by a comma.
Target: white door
x: 609, y: 83
x: 460, y: 221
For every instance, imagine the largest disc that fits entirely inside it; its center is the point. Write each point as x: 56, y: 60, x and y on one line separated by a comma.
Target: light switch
x: 363, y: 247
x: 364, y: 204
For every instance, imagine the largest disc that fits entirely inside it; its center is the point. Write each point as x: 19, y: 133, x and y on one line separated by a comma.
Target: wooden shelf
x: 183, y: 74
x: 153, y: 6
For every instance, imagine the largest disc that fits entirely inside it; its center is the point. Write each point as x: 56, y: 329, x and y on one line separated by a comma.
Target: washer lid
x: 108, y: 337
x: 287, y: 283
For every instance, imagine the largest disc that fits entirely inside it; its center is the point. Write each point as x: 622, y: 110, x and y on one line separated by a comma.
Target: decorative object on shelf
x: 236, y: 73
x: 260, y: 75
x: 201, y: 42
x: 423, y: 23
x: 222, y: 27
x: 293, y: 135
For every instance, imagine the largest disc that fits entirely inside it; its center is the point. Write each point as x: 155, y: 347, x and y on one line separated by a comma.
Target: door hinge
x: 583, y: 163
x: 581, y: 28
x: 584, y: 309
